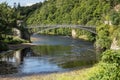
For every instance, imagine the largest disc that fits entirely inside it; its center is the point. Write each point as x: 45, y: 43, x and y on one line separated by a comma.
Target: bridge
x: 41, y: 28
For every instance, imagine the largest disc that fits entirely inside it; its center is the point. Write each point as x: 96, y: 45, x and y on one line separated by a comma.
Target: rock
x: 114, y: 45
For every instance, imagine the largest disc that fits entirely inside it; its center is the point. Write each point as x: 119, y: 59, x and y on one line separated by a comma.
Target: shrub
x: 17, y: 41
x: 103, y: 40
x: 105, y: 71
x: 111, y: 56
x: 108, y: 68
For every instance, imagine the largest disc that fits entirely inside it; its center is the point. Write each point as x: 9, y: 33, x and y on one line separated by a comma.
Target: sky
x: 22, y: 2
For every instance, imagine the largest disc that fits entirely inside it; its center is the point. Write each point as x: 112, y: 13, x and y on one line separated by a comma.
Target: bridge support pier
x: 74, y: 34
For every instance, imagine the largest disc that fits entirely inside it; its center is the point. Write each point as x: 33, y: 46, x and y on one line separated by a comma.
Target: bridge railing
x: 40, y: 28
x: 59, y: 25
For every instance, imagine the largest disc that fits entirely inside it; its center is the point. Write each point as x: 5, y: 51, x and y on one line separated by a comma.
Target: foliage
x: 58, y: 31
x: 85, y: 34
x: 90, y: 12
x: 69, y: 12
x: 103, y: 40
x: 113, y: 2
x: 7, y: 22
x: 111, y: 56
x: 115, y: 18
x: 105, y: 71
x: 14, y: 40
x: 25, y: 11
x: 7, y: 19
x: 108, y: 68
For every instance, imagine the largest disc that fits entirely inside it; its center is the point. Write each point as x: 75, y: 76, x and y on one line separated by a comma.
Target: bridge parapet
x: 41, y: 28
x: 58, y: 25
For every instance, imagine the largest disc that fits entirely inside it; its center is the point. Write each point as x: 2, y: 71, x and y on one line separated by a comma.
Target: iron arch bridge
x: 41, y: 28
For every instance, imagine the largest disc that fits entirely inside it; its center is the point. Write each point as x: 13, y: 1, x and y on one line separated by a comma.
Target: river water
x: 51, y: 54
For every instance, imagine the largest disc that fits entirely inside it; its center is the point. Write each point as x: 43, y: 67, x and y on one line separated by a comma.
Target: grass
x: 72, y: 75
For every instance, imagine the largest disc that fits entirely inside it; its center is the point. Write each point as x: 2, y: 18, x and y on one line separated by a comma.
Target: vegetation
x: 103, y: 40
x: 108, y: 68
x: 8, y: 21
x: 89, y: 12
x: 25, y: 11
x: 100, y: 13
x: 14, y: 40
x: 58, y: 31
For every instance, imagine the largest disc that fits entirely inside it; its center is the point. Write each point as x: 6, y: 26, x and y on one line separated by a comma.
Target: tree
x: 7, y: 19
x: 103, y: 40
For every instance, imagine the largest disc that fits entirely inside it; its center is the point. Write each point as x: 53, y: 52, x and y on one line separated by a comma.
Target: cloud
x: 29, y: 4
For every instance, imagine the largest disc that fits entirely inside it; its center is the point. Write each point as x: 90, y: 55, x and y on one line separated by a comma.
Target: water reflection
x: 53, y: 54
x: 10, y: 61
x: 46, y: 59
x: 20, y: 54
x: 7, y: 68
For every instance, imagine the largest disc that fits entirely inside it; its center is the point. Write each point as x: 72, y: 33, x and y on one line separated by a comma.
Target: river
x: 51, y: 54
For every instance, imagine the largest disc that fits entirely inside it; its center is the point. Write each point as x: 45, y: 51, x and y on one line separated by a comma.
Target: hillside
x: 90, y: 12
x: 104, y: 14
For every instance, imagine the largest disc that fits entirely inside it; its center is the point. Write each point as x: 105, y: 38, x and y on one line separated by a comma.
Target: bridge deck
x: 41, y: 28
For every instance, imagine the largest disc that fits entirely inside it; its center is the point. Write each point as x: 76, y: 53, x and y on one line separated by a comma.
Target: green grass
x: 14, y: 40
x: 73, y: 75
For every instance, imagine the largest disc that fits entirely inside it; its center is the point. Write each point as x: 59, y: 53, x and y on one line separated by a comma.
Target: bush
x: 103, y: 40
x: 17, y: 41
x: 108, y: 68
x: 111, y: 56
x: 14, y: 40
x: 115, y: 18
x: 105, y: 71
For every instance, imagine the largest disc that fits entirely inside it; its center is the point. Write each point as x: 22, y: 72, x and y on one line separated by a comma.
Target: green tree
x: 7, y: 19
x: 103, y: 40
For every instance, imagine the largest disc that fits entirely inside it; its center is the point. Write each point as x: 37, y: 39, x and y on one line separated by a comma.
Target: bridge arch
x: 49, y: 27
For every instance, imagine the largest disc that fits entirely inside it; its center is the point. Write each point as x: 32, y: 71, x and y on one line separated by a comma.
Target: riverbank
x: 72, y: 75
x: 19, y: 46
